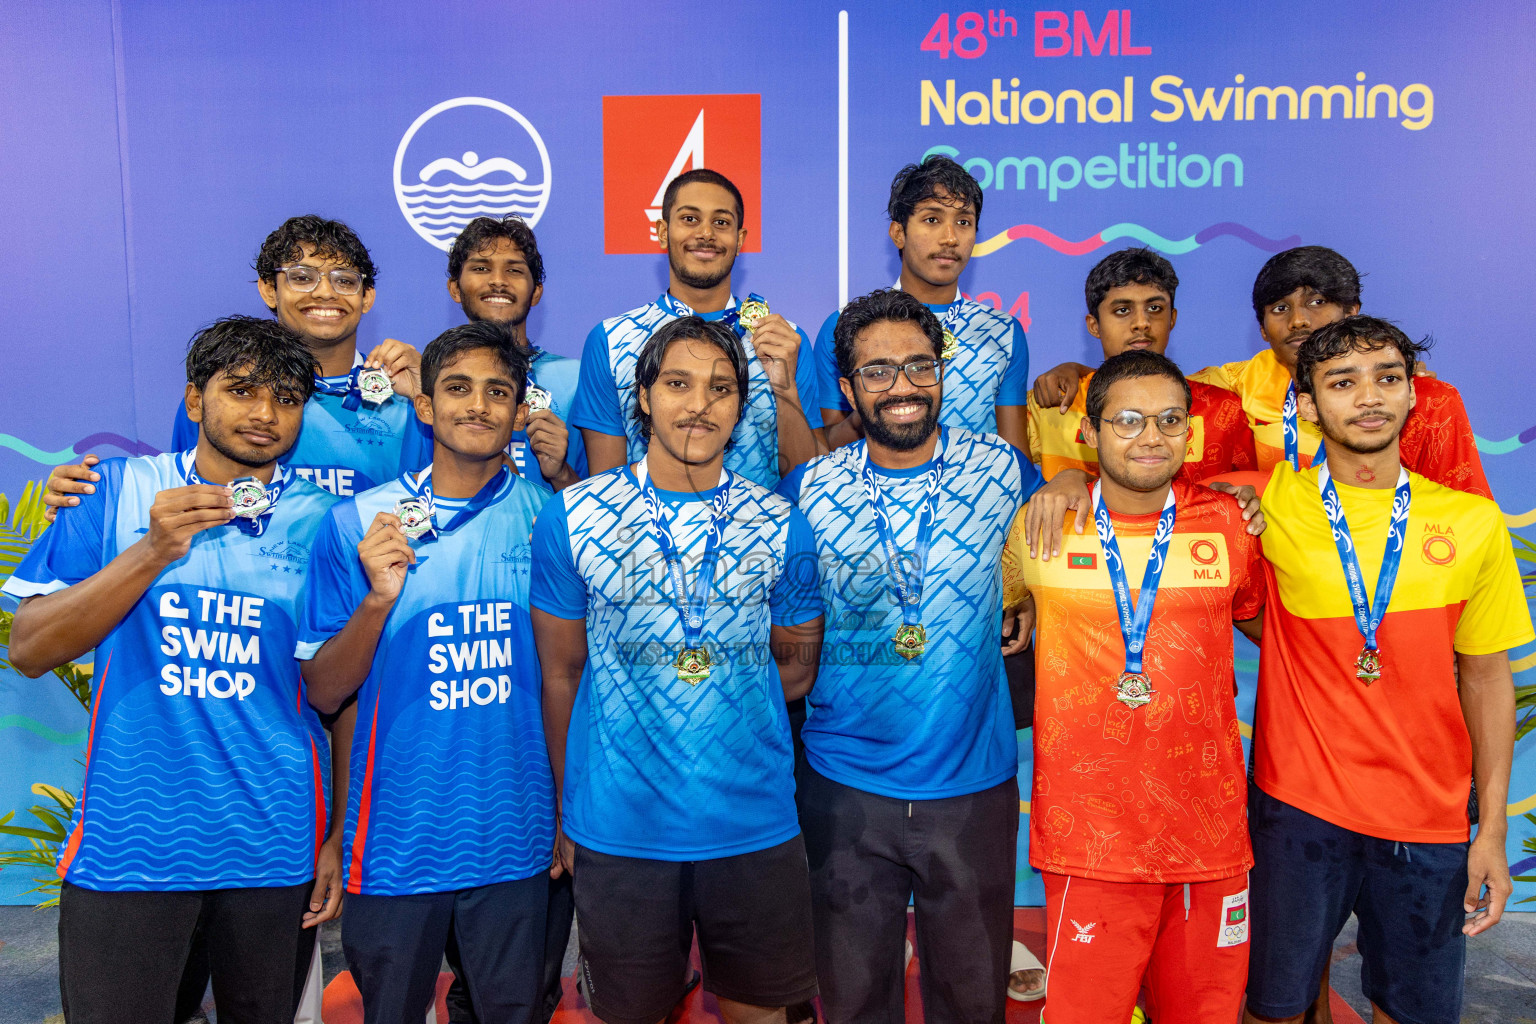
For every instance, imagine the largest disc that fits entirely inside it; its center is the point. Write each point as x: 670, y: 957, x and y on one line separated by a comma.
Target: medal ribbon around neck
x: 909, y: 589
x: 1134, y: 623
x: 251, y: 526
x: 421, y: 491
x: 1291, y: 429
x: 1368, y: 613
x: 691, y: 608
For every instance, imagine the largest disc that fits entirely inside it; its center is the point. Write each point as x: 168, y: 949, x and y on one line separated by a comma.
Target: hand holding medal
x: 776, y: 343
x: 386, y: 556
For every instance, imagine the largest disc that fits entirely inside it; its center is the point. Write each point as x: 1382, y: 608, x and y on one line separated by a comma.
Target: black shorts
x: 637, y: 919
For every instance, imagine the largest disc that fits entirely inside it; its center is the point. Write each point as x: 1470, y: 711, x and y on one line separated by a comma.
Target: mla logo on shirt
x: 1204, y: 552
x: 649, y: 140
x: 465, y: 158
x: 1439, y: 544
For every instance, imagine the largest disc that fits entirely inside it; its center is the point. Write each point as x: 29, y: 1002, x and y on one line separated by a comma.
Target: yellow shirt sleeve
x: 1496, y: 617
x: 1032, y: 429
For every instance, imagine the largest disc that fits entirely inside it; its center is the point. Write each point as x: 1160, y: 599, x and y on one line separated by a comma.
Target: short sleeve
x: 789, y: 487
x: 336, y: 584
x: 796, y: 596
x: 557, y: 587
x: 73, y: 549
x: 183, y: 430
x: 1029, y: 474
x: 1496, y: 616
x: 1014, y: 387
x: 1032, y: 428
x: 807, y: 381
x: 1247, y: 572
x: 597, y: 405
x: 1015, y: 557
x: 826, y: 367
x: 415, y: 445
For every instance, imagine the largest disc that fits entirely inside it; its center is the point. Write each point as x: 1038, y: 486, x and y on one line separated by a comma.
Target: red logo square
x: 649, y: 140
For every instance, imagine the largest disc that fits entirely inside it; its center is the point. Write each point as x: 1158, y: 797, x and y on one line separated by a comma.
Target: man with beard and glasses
x: 908, y: 791
x: 701, y: 231
x: 1134, y: 640
x: 676, y: 608
x: 203, y: 807
x: 495, y: 272
x: 1384, y: 692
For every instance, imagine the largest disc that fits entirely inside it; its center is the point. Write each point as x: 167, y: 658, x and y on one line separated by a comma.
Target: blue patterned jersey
x: 450, y: 784
x: 605, y: 401
x: 206, y: 768
x: 940, y: 725
x: 655, y: 767
x: 558, y: 375
x: 991, y: 368
x: 345, y: 451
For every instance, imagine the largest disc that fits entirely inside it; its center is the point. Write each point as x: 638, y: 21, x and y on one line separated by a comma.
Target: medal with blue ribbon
x: 537, y: 399
x: 1291, y: 430
x: 363, y: 384
x: 252, y: 501
x: 693, y: 662
x: 911, y: 639
x: 1134, y: 689
x: 1368, y: 613
x: 418, y: 513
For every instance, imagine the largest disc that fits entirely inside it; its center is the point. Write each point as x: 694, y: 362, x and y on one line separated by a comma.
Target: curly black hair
x: 482, y: 233
x: 330, y: 239
x: 915, y: 183
x: 253, y: 351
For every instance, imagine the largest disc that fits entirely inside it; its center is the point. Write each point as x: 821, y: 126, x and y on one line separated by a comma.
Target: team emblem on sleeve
x: 374, y: 386
x: 249, y: 497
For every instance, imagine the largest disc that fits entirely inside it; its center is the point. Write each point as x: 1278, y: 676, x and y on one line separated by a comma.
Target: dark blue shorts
x: 1309, y: 875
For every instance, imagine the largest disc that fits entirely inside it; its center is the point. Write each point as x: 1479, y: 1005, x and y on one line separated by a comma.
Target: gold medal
x: 692, y: 665
x: 910, y: 641
x: 951, y: 346
x: 1368, y: 666
x: 1134, y: 689
x: 751, y: 314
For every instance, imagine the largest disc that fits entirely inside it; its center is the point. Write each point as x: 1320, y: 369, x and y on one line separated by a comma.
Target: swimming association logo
x: 470, y: 157
x: 649, y: 140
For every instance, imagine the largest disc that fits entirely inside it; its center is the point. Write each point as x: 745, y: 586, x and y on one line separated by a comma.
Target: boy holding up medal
x: 1136, y: 816
x: 676, y: 608
x: 909, y: 789
x: 1384, y: 692
x: 420, y: 607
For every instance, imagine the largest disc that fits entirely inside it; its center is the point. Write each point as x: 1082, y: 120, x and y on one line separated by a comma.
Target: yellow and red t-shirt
x: 1156, y: 793
x: 1436, y: 441
x: 1392, y: 759
x: 1219, y: 438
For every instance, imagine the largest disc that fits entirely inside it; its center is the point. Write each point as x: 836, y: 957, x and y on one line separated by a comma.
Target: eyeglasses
x: 922, y: 373
x: 1129, y: 424
x: 307, y: 279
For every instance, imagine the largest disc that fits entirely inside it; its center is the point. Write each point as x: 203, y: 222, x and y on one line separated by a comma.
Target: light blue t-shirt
x: 450, y: 785
x: 656, y: 767
x: 206, y: 768
x: 940, y: 725
x: 991, y: 368
x: 605, y: 400
x: 559, y: 375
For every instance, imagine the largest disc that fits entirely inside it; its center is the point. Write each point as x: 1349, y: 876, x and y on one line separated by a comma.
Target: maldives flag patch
x: 1082, y: 561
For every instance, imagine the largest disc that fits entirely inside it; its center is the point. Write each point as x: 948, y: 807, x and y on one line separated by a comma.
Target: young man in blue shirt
x: 701, y: 230
x: 203, y: 806
x: 675, y: 609
x: 909, y: 790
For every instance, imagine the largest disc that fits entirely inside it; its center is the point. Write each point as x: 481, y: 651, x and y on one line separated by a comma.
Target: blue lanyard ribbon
x: 422, y: 488
x: 344, y: 388
x: 690, y: 607
x: 908, y: 586
x: 1291, y: 429
x: 250, y: 527
x: 1368, y: 613
x: 1134, y: 623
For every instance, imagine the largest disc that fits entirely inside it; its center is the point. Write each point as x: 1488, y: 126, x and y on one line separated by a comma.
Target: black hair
x: 1129, y: 266
x: 271, y: 355
x: 916, y: 183
x: 1354, y: 334
x: 1129, y: 366
x: 693, y: 328
x: 482, y: 233
x: 442, y: 350
x: 708, y: 177
x: 887, y: 304
x: 1306, y: 266
x: 331, y: 239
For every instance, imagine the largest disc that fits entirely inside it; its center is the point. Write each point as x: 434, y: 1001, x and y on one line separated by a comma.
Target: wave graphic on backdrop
x: 76, y: 450
x: 1135, y: 232
x: 32, y: 725
x: 441, y: 210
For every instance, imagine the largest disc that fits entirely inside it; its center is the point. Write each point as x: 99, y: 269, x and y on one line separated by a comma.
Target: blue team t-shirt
x: 656, y: 767
x: 206, y: 768
x: 345, y: 451
x: 940, y: 725
x: 991, y: 368
x: 605, y: 400
x: 559, y: 375
x: 450, y: 785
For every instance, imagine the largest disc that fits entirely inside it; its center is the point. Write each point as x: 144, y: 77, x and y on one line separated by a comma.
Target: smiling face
x: 473, y: 408
x: 1290, y: 321
x: 251, y: 425
x: 1134, y: 317
x: 1148, y: 461
x: 495, y: 284
x: 936, y: 241
x: 694, y: 404
x: 702, y: 236
x: 1360, y: 399
x: 322, y: 317
x: 907, y: 415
